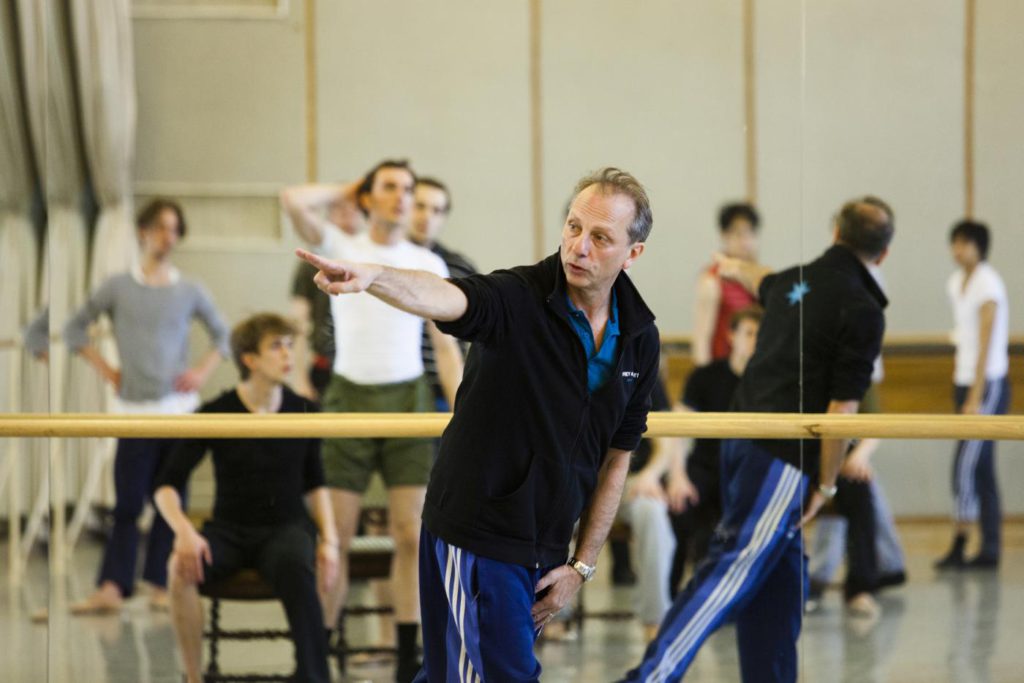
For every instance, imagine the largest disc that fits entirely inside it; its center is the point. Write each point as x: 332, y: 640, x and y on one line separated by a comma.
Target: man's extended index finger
x: 313, y: 259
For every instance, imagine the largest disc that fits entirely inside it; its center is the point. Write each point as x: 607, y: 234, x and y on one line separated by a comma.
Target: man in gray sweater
x: 151, y: 309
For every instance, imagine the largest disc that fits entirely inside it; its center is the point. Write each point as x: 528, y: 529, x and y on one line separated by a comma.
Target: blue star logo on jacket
x: 796, y: 295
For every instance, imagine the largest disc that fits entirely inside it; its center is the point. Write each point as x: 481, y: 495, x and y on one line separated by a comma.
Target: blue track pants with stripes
x: 476, y: 612
x: 754, y: 574
x: 975, y: 488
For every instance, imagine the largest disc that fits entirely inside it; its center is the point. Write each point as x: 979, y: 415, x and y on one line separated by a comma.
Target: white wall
x: 447, y: 90
x: 659, y: 93
x: 851, y: 98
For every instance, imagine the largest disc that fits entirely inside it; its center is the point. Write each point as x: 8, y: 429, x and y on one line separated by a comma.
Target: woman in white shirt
x: 981, y: 334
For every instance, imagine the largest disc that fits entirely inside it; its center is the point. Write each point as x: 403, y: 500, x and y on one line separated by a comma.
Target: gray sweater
x: 37, y: 334
x: 151, y: 327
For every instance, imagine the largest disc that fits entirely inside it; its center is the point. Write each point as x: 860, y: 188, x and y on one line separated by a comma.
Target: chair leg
x: 214, y: 669
x: 341, y: 644
x: 578, y: 617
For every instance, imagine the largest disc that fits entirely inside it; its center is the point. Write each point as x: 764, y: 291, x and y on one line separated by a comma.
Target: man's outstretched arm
x: 413, y: 291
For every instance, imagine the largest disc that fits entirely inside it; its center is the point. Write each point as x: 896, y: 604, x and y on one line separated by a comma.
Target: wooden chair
x: 369, y: 558
x: 245, y: 585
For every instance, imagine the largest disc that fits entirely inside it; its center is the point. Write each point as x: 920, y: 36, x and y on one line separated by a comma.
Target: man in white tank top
x: 378, y: 367
x: 981, y: 386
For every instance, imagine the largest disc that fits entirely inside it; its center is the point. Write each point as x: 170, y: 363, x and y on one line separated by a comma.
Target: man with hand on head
x: 555, y: 396
x: 378, y: 367
x: 266, y: 492
x: 311, y: 308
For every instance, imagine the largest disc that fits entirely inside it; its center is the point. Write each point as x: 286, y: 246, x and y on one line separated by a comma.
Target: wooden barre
x: 411, y: 425
x: 939, y: 342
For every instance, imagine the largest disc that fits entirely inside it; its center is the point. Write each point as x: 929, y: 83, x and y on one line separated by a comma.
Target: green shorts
x: 349, y: 463
x: 871, y: 402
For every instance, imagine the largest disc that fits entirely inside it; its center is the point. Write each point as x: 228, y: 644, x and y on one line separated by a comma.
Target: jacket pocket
x: 514, y: 513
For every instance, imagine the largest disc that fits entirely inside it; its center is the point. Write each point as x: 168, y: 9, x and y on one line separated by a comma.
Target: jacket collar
x: 634, y: 315
x: 843, y: 259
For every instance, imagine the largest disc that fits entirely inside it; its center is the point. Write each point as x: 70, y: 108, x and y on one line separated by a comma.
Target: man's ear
x: 249, y: 359
x: 881, y: 257
x: 634, y: 253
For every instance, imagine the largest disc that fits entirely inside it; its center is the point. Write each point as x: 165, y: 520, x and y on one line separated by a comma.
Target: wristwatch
x: 584, y: 570
x: 828, y: 491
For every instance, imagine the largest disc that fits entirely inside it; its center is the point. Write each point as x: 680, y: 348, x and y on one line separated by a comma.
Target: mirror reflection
x: 585, y: 212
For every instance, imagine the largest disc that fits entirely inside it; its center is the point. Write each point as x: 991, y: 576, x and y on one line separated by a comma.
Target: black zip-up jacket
x: 821, y: 333
x: 520, y: 458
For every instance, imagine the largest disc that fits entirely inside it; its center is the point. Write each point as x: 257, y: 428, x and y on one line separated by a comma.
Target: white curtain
x: 104, y: 56
x: 18, y: 251
x: 106, y: 87
x: 18, y: 263
x: 51, y: 107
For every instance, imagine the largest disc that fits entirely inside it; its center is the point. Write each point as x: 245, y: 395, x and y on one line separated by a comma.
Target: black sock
x: 959, y: 542
x: 407, y: 635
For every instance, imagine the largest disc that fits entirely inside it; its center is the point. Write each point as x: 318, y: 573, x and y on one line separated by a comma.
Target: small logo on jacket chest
x: 630, y: 376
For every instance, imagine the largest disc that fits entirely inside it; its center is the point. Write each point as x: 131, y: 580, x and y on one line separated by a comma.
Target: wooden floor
x: 959, y: 628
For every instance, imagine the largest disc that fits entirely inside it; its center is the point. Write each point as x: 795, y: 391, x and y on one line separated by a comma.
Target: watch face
x: 585, y: 571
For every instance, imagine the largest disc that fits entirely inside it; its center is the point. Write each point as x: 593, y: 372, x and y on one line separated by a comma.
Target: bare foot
x: 159, y: 601
x: 559, y: 632
x: 368, y: 659
x: 106, y: 600
x: 863, y: 605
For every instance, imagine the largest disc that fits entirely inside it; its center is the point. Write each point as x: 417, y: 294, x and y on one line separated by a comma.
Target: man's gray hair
x: 613, y: 180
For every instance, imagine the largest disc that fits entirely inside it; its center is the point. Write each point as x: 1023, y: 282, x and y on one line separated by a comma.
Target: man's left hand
x: 189, y: 381
x: 813, y: 507
x: 563, y: 583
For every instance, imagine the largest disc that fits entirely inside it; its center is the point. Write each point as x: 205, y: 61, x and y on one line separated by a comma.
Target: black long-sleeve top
x: 258, y: 481
x: 821, y: 333
x: 520, y: 458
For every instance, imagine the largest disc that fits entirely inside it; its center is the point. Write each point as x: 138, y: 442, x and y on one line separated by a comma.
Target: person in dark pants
x: 555, y: 396
x: 432, y: 205
x: 981, y: 387
x: 821, y: 332
x: 709, y: 389
x: 151, y: 309
x: 378, y: 368
x: 311, y: 309
x: 267, y: 490
x: 622, y: 569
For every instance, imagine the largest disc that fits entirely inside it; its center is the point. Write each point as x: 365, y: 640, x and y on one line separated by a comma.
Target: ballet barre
x: 420, y: 425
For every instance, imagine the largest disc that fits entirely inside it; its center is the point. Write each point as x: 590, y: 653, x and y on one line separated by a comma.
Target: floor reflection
x: 961, y: 628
